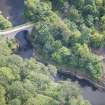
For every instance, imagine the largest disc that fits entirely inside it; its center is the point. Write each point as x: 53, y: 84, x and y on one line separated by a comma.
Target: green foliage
x: 85, y: 59
x: 4, y: 47
x: 57, y: 33
x: 36, y: 12
x: 61, y: 56
x: 65, y: 32
x: 4, y: 23
x: 97, y: 40
x: 7, y: 73
x: 29, y: 82
x: 2, y: 95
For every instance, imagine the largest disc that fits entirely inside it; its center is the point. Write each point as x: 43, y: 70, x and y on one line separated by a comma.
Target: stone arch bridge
x: 10, y: 33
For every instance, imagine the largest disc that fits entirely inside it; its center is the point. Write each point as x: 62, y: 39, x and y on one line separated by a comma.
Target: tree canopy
x: 66, y: 31
x: 4, y: 23
x: 29, y: 82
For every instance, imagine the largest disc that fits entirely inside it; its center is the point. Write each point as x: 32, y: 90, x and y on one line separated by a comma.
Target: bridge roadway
x: 12, y: 32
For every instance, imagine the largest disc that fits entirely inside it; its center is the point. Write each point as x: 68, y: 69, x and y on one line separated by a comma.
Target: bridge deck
x: 16, y: 29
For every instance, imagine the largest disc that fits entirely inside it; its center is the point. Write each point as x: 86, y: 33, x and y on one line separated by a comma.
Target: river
x: 13, y: 9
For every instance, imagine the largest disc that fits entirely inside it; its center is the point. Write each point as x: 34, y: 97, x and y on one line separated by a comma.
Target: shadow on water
x: 88, y: 90
x: 82, y: 82
x: 24, y: 48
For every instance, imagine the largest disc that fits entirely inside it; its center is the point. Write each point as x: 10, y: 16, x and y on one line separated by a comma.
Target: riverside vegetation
x: 68, y: 31
x: 65, y: 32
x: 29, y: 82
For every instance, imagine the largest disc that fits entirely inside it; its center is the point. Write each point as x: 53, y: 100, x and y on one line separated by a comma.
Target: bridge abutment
x: 11, y: 33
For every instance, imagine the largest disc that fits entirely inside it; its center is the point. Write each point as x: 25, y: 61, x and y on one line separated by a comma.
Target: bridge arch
x: 12, y: 32
x: 22, y: 39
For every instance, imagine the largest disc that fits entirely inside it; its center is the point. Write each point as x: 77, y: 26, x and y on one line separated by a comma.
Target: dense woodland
x: 68, y: 31
x: 29, y: 82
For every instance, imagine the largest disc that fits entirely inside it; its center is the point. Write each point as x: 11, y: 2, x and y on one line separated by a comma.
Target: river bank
x: 91, y: 91
x: 70, y: 72
x: 95, y: 96
x: 80, y: 78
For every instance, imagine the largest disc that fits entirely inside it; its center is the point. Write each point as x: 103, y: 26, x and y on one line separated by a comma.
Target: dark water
x: 14, y: 10
x: 88, y: 90
x: 25, y: 49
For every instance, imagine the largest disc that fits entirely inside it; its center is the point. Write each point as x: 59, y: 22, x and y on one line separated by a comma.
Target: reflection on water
x: 88, y: 90
x: 95, y: 97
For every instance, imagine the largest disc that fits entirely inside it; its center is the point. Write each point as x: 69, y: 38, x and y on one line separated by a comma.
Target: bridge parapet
x: 11, y: 32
